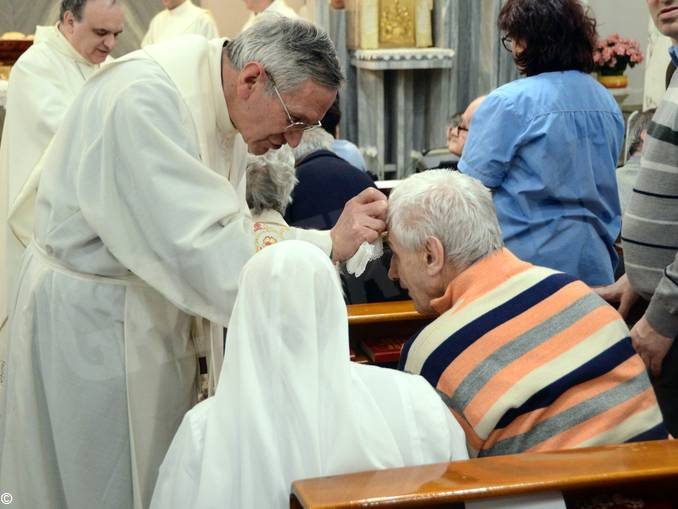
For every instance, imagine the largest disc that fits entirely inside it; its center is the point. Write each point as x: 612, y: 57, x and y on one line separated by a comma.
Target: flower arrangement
x: 613, y: 53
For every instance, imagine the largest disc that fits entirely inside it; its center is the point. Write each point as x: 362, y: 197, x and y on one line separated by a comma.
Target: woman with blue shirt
x: 548, y: 145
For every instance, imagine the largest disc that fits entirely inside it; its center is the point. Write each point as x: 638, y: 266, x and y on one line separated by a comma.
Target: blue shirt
x: 548, y: 146
x: 349, y: 152
x: 673, y: 53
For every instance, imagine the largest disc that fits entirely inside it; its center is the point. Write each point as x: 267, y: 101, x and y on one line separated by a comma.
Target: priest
x: 258, y: 7
x: 180, y: 17
x: 42, y: 85
x: 141, y: 229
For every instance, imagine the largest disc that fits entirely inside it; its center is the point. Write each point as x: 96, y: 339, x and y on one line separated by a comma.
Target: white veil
x: 290, y: 405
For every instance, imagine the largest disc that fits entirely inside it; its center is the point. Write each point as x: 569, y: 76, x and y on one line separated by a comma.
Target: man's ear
x: 68, y: 22
x: 251, y: 76
x: 435, y: 256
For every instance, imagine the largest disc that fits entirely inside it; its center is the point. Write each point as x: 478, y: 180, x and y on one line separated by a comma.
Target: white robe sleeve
x: 207, y: 26
x: 167, y: 217
x: 39, y: 98
x: 149, y: 38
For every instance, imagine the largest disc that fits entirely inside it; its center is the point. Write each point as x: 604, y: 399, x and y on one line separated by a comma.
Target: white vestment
x: 42, y: 85
x: 291, y: 405
x: 277, y: 7
x: 184, y: 19
x: 141, y: 225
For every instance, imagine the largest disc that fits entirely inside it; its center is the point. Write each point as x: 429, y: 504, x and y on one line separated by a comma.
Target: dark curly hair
x: 559, y: 35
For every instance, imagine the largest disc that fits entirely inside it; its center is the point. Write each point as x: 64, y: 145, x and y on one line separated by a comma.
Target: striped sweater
x: 530, y: 359
x: 650, y: 223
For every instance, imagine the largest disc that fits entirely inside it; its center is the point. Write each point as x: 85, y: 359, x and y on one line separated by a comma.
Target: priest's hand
x: 650, y: 345
x: 620, y: 293
x: 363, y: 219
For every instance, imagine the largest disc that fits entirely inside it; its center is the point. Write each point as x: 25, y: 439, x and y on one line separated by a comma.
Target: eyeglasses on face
x: 294, y: 125
x: 507, y: 42
x: 457, y: 122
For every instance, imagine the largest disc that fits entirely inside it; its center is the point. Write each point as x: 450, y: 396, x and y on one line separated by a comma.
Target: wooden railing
x: 377, y: 331
x: 646, y: 467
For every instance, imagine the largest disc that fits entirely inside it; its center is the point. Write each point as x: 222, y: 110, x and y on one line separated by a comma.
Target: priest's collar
x: 52, y: 36
x: 224, y: 123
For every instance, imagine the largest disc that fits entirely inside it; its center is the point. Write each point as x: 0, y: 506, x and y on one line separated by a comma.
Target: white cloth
x: 366, y: 253
x: 43, y: 84
x: 276, y: 7
x: 140, y: 224
x: 184, y: 19
x: 291, y: 405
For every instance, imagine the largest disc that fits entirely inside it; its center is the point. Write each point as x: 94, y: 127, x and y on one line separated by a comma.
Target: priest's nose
x: 109, y: 41
x: 293, y: 137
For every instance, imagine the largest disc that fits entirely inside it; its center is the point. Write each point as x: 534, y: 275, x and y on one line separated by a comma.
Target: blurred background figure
x: 326, y: 182
x: 178, y: 18
x: 267, y: 6
x: 457, y: 131
x: 44, y: 82
x: 343, y: 148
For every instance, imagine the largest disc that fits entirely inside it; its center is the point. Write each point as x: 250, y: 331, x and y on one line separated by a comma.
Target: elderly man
x: 649, y: 233
x: 141, y: 229
x: 178, y: 18
x: 269, y: 7
x: 456, y: 134
x: 43, y: 84
x: 527, y: 358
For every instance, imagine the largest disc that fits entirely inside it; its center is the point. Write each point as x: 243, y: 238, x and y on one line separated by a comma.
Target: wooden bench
x: 377, y: 331
x: 643, y: 468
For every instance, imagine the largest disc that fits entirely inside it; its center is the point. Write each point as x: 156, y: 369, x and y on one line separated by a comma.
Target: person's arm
x: 207, y: 26
x: 655, y: 332
x: 38, y: 100
x: 149, y: 37
x: 167, y: 217
x: 621, y: 293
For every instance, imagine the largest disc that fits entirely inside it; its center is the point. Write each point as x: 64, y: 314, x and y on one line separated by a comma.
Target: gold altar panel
x: 374, y: 24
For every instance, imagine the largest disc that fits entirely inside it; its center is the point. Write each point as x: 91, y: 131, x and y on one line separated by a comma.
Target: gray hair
x: 455, y: 208
x: 270, y: 180
x: 312, y: 141
x: 640, y: 123
x: 76, y: 7
x: 291, y: 51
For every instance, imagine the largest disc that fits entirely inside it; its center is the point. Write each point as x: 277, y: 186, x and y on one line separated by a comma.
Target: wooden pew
x: 643, y: 468
x: 377, y: 331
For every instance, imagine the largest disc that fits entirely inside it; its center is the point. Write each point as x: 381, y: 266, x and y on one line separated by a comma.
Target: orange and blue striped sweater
x: 531, y: 359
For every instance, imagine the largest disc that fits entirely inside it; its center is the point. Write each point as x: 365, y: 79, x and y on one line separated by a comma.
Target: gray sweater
x: 650, y: 223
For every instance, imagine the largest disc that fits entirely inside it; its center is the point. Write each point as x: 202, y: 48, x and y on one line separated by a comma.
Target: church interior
x: 431, y: 263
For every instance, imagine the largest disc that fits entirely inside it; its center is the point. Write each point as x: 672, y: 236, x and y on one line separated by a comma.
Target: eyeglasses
x: 457, y: 123
x: 507, y: 42
x: 294, y: 125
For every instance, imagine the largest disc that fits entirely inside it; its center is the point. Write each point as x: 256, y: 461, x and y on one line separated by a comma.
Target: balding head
x: 456, y: 134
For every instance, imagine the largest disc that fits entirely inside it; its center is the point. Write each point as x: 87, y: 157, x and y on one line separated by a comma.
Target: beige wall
x: 630, y: 19
x: 231, y: 14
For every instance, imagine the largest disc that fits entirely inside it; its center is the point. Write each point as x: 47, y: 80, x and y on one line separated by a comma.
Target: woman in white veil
x: 290, y: 405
